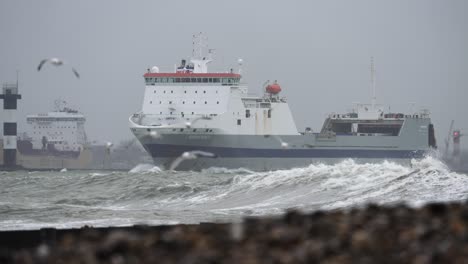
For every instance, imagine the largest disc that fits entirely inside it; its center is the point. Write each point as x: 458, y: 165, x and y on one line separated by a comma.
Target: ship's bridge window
x: 216, y: 80
x: 170, y: 80
x: 341, y: 128
x: 194, y: 80
x: 199, y: 79
x: 385, y: 129
x: 176, y: 80
x: 210, y: 79
x: 205, y: 80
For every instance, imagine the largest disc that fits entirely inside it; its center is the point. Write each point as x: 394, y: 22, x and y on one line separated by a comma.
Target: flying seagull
x: 284, y: 145
x: 56, y: 62
x: 189, y: 124
x: 190, y: 155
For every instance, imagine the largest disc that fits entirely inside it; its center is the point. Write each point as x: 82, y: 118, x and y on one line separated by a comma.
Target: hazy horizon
x: 318, y: 51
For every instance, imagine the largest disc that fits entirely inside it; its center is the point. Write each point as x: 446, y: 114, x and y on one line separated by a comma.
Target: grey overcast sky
x: 319, y: 51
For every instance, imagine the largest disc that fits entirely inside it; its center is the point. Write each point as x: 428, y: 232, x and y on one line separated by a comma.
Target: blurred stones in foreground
x: 435, y: 233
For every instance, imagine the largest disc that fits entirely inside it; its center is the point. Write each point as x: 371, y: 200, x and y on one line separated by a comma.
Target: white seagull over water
x: 284, y: 144
x: 56, y: 62
x: 189, y: 124
x: 190, y: 155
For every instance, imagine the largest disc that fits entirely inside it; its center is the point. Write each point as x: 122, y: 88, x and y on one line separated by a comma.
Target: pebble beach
x: 433, y: 233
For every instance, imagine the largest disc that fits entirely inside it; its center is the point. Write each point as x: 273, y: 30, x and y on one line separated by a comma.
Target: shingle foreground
x: 435, y: 233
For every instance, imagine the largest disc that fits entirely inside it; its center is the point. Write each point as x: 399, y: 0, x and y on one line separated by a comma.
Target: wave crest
x: 145, y: 169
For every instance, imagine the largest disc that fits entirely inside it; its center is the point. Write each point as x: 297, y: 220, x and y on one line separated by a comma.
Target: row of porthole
x: 182, y: 130
x: 196, y: 91
x: 52, y: 127
x: 183, y: 102
x: 193, y: 130
x: 182, y: 113
x: 56, y: 132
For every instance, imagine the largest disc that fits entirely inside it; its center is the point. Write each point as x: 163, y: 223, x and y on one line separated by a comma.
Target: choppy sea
x: 147, y: 195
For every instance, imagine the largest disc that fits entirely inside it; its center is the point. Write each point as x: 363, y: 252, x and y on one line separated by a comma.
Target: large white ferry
x: 193, y: 109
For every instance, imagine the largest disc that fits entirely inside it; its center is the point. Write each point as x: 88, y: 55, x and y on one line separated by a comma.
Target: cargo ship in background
x: 54, y: 140
x: 57, y: 140
x: 192, y: 109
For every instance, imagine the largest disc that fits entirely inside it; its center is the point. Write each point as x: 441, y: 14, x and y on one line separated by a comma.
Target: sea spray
x: 149, y: 195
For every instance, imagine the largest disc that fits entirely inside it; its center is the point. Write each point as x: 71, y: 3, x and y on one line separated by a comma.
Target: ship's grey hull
x: 258, y: 152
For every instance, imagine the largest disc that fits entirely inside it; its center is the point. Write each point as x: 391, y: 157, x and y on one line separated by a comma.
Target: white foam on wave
x: 344, y: 184
x: 221, y: 170
x: 96, y: 174
x: 298, y: 176
x: 347, y: 183
x: 145, y: 169
x: 234, y: 193
x: 426, y: 180
x: 99, y: 174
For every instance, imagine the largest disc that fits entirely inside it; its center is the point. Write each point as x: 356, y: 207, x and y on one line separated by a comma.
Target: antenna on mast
x: 373, y: 82
x: 199, y: 43
x: 199, y: 60
x: 240, y: 62
x: 17, y: 78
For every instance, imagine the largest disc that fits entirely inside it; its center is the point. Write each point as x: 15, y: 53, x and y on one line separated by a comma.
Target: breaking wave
x: 146, y: 194
x: 145, y: 168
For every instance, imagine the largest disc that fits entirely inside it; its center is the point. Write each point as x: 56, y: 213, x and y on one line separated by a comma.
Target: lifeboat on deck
x: 274, y: 88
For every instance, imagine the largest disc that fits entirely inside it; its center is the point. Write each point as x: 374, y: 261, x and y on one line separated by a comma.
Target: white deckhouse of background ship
x: 194, y: 109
